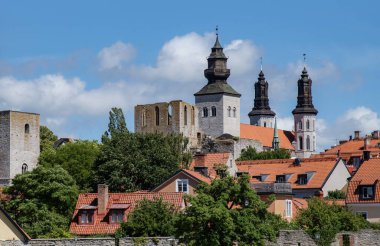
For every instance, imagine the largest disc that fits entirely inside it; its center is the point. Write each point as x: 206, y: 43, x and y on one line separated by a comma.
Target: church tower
x: 304, y: 118
x: 261, y: 114
x: 217, y: 102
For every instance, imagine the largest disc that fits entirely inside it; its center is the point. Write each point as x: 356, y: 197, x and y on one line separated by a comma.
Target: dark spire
x: 304, y: 98
x: 261, y: 103
x: 217, y: 72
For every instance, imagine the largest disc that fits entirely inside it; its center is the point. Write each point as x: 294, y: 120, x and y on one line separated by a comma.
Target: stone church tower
x: 261, y: 114
x: 217, y: 102
x: 304, y: 118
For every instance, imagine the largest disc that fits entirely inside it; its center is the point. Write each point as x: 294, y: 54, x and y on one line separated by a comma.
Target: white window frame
x: 367, y: 188
x: 288, y: 208
x: 182, y: 182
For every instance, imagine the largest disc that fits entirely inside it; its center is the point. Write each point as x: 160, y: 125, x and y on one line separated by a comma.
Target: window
x: 300, y: 143
x: 24, y: 168
x: 280, y: 179
x: 116, y: 216
x: 199, y: 137
x: 182, y: 185
x: 234, y: 112
x: 302, y: 179
x: 308, y: 143
x: 356, y: 161
x: 363, y: 214
x: 143, y: 118
x: 157, y: 111
x: 27, y: 128
x: 265, y: 124
x: 205, y: 112
x: 300, y: 125
x: 307, y: 125
x: 258, y: 178
x: 367, y: 192
x: 86, y: 217
x: 185, y: 115
x: 170, y: 113
x: 229, y: 111
x: 213, y: 111
x: 288, y: 208
x: 192, y: 116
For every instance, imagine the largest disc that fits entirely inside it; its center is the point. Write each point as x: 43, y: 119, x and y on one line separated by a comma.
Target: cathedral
x: 216, y: 114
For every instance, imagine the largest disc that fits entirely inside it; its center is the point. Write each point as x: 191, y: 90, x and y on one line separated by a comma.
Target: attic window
x: 259, y: 178
x: 182, y: 185
x: 116, y: 216
x: 280, y: 179
x: 302, y: 179
x: 86, y: 217
x: 367, y: 192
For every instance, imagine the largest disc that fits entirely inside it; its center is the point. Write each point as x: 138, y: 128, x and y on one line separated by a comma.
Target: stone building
x: 19, y: 143
x: 169, y: 117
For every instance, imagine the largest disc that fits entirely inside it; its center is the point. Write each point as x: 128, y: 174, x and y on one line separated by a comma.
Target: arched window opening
x: 185, y: 115
x: 157, y: 111
x: 27, y: 128
x: 170, y: 113
x: 192, y: 116
x: 265, y: 124
x: 143, y: 118
x: 213, y: 111
x: 308, y: 143
x: 300, y: 125
x: 300, y: 144
x: 307, y: 125
x: 24, y: 168
x: 229, y: 111
x: 234, y: 112
x: 205, y: 112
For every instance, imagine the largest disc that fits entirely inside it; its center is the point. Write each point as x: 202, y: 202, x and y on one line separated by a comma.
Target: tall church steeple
x: 217, y: 102
x: 305, y: 118
x: 276, y: 139
x: 261, y: 113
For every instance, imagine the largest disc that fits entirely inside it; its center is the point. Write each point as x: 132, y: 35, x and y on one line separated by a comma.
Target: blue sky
x: 71, y: 61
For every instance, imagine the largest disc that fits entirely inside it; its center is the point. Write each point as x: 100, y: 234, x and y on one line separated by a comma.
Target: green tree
x: 251, y: 153
x: 116, y: 125
x: 336, y: 194
x: 47, y: 138
x: 322, y: 221
x: 150, y: 218
x: 42, y: 201
x: 227, y: 211
x: 77, y: 159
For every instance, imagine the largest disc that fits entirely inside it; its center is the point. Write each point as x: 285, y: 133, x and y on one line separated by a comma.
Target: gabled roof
x: 265, y: 135
x: 353, y: 148
x: 16, y: 226
x: 319, y: 168
x: 367, y: 174
x: 127, y: 201
x: 209, y: 160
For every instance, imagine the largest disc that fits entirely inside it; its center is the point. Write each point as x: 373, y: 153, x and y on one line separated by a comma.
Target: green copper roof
x: 217, y: 88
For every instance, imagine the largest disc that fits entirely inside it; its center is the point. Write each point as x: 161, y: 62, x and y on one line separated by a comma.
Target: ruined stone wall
x: 4, y: 147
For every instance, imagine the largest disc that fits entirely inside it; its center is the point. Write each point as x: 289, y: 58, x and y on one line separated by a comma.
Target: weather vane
x: 261, y: 63
x: 304, y: 58
x: 217, y: 30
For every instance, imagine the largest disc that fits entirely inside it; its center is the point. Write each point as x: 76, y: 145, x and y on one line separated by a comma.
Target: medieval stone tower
x: 217, y: 102
x: 19, y: 143
x: 304, y: 118
x: 261, y: 114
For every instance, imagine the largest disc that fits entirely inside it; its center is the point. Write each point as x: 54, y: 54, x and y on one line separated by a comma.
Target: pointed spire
x: 217, y: 45
x: 276, y: 139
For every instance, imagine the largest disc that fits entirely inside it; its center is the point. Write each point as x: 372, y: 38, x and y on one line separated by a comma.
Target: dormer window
x: 116, y: 215
x: 239, y: 174
x: 258, y: 178
x: 280, y: 179
x: 302, y: 179
x: 367, y: 192
x: 86, y: 217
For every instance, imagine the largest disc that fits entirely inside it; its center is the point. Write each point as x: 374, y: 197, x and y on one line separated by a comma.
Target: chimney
x: 357, y: 135
x: 338, y: 153
x: 102, y: 198
x: 376, y: 134
x: 367, y: 142
x: 350, y: 137
x: 366, y: 155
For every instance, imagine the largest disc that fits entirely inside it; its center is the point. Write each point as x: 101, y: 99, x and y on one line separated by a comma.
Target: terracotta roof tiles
x: 209, y: 160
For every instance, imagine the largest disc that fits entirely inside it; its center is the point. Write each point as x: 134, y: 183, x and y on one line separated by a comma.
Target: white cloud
x: 285, y: 123
x: 115, y: 55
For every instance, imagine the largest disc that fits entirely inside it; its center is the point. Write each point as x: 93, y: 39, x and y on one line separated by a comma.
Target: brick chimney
x: 357, y: 135
x: 102, y: 198
x: 376, y: 134
x: 367, y: 142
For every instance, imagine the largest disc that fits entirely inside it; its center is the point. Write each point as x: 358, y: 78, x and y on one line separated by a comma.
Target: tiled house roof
x: 367, y: 175
x: 124, y: 201
x: 265, y: 135
x: 209, y: 160
x: 319, y: 170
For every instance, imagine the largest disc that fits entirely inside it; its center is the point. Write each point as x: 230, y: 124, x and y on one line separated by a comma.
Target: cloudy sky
x: 71, y: 61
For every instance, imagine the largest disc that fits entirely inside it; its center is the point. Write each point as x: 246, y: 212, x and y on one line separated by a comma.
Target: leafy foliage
x: 324, y: 221
x: 336, y: 194
x: 150, y: 218
x: 76, y: 158
x: 116, y: 125
x: 47, y: 138
x: 227, y: 211
x: 43, y: 201
x: 250, y: 153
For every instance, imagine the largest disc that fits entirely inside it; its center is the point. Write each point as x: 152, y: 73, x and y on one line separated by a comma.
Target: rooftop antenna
x: 261, y: 63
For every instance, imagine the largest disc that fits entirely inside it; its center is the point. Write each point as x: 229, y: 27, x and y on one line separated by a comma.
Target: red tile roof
x: 367, y: 174
x: 209, y: 160
x: 320, y: 167
x: 125, y: 200
x: 265, y: 135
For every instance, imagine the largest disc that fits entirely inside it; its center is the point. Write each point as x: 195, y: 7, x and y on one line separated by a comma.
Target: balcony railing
x: 276, y: 188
